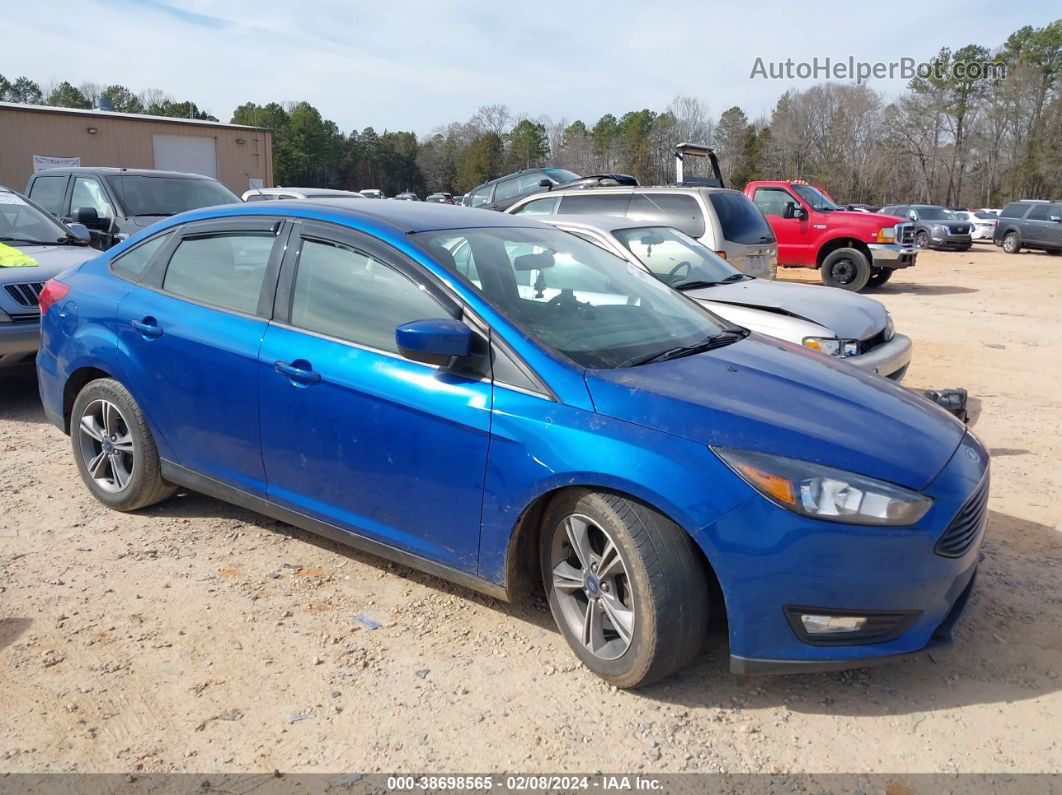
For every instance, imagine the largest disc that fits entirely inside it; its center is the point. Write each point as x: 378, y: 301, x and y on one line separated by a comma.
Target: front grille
x: 967, y: 525
x: 26, y: 317
x: 870, y: 343
x: 905, y: 234
x: 25, y: 294
x: 960, y: 229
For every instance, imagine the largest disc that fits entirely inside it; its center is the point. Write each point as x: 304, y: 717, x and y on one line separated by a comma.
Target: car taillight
x: 53, y: 291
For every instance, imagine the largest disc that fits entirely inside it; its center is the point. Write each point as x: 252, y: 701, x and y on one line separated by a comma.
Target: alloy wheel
x: 921, y: 240
x: 106, y: 445
x: 592, y: 587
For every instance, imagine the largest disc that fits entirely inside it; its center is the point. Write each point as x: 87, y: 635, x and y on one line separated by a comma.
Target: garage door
x: 194, y: 154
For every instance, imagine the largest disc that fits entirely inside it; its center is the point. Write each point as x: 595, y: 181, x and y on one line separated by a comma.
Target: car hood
x: 849, y: 316
x: 51, y: 260
x: 869, y: 220
x: 772, y: 396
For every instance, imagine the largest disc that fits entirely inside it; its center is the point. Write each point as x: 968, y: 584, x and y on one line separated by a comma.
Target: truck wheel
x: 878, y: 277
x: 846, y: 268
x: 626, y: 586
x: 1011, y: 244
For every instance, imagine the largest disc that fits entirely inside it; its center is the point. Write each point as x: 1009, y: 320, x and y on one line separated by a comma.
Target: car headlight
x: 831, y: 346
x: 886, y: 235
x: 825, y: 493
x: 938, y: 229
x: 890, y: 328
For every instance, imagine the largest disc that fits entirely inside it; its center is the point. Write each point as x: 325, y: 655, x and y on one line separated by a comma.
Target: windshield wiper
x: 735, y: 277
x: 724, y: 337
x: 694, y: 284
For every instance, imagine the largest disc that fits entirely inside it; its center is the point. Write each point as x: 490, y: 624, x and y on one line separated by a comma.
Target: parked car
x: 835, y: 322
x: 650, y: 464
x: 34, y: 247
x: 372, y: 193
x: 282, y: 194
x: 862, y: 208
x: 441, y: 198
x: 852, y: 250
x: 459, y: 199
x: 408, y: 196
x: 934, y: 226
x: 723, y: 220
x: 501, y: 193
x: 114, y: 203
x: 1030, y: 224
x: 982, y: 224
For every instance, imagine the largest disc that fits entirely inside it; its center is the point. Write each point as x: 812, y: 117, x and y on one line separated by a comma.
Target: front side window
x: 344, y: 293
x: 573, y: 297
x: 134, y: 263
x: 546, y: 206
x: 772, y: 201
x: 675, y: 258
x: 221, y: 269
x: 89, y: 193
x: 48, y: 193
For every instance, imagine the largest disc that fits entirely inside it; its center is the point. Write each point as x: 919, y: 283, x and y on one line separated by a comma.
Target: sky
x: 417, y: 65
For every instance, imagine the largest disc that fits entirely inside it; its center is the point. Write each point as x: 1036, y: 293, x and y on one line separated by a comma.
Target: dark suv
x: 1030, y: 224
x: 501, y: 193
x: 116, y: 202
x: 934, y: 227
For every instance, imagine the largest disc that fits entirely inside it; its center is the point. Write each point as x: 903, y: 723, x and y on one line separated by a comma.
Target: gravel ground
x: 195, y: 636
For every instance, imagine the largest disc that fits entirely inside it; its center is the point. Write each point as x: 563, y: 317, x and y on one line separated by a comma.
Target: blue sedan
x: 421, y: 381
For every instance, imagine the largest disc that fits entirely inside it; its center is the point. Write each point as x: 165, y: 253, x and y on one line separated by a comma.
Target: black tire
x: 921, y: 240
x: 847, y: 268
x: 965, y: 248
x: 129, y: 476
x: 878, y: 277
x: 1054, y: 252
x: 1011, y: 243
x: 663, y: 584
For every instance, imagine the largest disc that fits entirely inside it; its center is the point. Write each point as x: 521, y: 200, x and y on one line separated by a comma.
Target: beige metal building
x: 238, y: 156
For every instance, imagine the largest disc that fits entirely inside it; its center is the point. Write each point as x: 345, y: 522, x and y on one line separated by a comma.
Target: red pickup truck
x: 853, y: 250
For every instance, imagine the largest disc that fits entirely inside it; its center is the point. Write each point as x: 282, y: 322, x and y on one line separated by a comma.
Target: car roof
x: 107, y: 170
x: 403, y: 217
x: 606, y: 223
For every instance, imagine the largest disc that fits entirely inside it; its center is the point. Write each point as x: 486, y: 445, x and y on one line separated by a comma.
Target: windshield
x: 22, y: 222
x: 141, y: 195
x: 675, y: 258
x: 814, y: 198
x: 570, y: 295
x: 935, y: 214
x: 560, y: 174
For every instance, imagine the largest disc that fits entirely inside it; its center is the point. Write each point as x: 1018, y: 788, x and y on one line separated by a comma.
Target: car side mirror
x: 87, y: 216
x: 1057, y: 219
x: 80, y: 231
x: 437, y: 341
x: 794, y: 211
x: 545, y: 183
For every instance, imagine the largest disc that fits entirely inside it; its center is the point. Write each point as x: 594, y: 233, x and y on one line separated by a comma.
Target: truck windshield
x: 815, y: 199
x: 143, y: 195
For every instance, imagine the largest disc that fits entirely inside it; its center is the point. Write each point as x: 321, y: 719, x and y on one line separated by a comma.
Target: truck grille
x: 967, y: 525
x: 25, y: 294
x: 905, y: 234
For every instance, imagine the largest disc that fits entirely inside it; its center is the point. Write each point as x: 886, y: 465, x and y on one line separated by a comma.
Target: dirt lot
x: 194, y: 636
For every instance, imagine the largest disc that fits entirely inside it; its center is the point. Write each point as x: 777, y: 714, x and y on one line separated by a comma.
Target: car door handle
x: 148, y: 327
x: 303, y: 375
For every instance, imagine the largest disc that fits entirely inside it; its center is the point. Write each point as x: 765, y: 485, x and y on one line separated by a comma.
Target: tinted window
x: 344, y: 293
x: 89, y: 193
x: 48, y: 193
x: 560, y: 174
x: 506, y: 189
x: 546, y: 206
x: 224, y: 270
x: 679, y: 210
x: 740, y: 220
x: 135, y: 262
x: 1013, y: 210
x: 595, y: 204
x: 1039, y: 213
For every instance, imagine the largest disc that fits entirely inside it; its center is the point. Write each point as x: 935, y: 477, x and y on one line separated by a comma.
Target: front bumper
x: 950, y: 241
x: 890, y: 360
x: 892, y: 255
x: 18, y: 342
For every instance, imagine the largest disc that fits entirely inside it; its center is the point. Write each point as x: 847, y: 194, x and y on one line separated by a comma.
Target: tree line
x: 954, y: 137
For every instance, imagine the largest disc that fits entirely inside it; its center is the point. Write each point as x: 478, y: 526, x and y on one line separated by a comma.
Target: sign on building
x: 41, y: 162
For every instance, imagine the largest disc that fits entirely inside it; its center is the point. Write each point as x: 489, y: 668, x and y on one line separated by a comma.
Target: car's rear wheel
x: 114, y: 449
x: 1011, y: 243
x: 846, y: 268
x: 626, y: 586
x: 879, y: 276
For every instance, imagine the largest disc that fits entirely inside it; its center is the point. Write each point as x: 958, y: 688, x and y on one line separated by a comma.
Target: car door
x: 87, y: 194
x: 793, y: 234
x: 353, y: 433
x: 190, y: 330
x: 1035, y: 229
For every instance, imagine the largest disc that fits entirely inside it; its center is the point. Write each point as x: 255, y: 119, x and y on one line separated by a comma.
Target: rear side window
x: 595, y: 204
x: 224, y: 270
x: 48, y: 193
x: 343, y: 293
x: 546, y: 206
x: 678, y: 210
x: 506, y: 189
x: 1013, y: 210
x: 134, y: 263
x: 741, y: 222
x: 1039, y: 212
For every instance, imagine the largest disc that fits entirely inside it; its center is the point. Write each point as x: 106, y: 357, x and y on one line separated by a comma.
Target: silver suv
x: 726, y: 221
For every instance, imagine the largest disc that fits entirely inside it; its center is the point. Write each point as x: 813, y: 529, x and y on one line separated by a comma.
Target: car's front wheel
x: 114, y: 449
x: 626, y: 586
x: 921, y: 240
